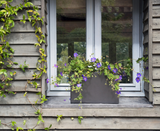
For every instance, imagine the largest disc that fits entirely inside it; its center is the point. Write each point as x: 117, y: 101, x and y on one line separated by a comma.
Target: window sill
x: 124, y: 102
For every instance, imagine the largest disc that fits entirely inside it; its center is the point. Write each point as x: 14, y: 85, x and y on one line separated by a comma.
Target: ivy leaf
x: 59, y: 117
x: 13, y: 123
x: 11, y: 73
x: 24, y: 122
x: 79, y: 119
x: 15, y: 63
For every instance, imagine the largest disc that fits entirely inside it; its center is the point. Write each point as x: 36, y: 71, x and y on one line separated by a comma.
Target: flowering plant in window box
x: 95, y: 81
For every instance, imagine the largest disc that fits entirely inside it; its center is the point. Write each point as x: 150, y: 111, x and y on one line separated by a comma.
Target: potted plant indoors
x: 94, y: 81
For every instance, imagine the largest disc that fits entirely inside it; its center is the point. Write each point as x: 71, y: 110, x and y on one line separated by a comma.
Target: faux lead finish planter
x: 95, y: 91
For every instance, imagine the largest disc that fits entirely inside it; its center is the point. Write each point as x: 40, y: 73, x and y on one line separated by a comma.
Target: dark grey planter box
x: 95, y: 91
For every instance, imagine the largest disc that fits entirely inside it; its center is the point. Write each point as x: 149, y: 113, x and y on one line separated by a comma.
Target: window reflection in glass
x: 117, y: 32
x: 71, y: 31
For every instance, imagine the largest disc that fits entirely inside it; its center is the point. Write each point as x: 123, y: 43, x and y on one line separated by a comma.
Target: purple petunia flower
x: 115, y: 70
x: 64, y: 99
x: 98, y: 65
x: 65, y: 64
x: 120, y: 88
x: 69, y: 98
x: 109, y: 68
x: 138, y: 74
x: 116, y: 79
x: 75, y: 55
x: 120, y: 77
x: 118, y: 92
x: 82, y: 75
x: 85, y: 78
x: 61, y: 74
x: 79, y: 85
x: 55, y: 65
x: 47, y: 80
x: 93, y: 59
x: 137, y: 79
x: 56, y: 84
x: 146, y: 68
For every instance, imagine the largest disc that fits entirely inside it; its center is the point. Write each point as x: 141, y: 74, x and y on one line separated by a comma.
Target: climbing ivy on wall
x: 7, y: 14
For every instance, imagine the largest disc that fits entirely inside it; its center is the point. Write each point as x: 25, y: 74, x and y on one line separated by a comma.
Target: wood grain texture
x: 156, y: 2
x: 156, y: 73
x: 22, y: 38
x: 19, y: 86
x: 19, y: 99
x: 108, y: 112
x: 25, y: 50
x: 155, y: 11
x: 156, y: 83
x: 20, y: 14
x: 156, y: 23
x: 105, y: 123
x: 17, y: 110
x: 30, y: 123
x: 156, y: 60
x: 156, y: 98
x: 156, y: 48
x: 20, y: 75
x: 146, y: 38
x: 17, y: 2
x: 30, y: 61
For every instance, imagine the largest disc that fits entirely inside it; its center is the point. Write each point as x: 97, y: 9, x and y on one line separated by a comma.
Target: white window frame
x: 93, y: 28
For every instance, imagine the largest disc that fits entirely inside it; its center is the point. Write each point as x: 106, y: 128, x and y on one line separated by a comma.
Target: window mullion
x: 98, y: 34
x: 90, y: 29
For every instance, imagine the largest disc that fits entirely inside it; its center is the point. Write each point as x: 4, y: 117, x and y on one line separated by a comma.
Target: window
x: 112, y: 29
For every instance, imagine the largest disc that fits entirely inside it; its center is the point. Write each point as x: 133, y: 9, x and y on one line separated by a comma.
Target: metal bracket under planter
x: 95, y: 91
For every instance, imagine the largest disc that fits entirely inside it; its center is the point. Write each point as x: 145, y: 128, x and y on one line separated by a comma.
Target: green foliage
x: 79, y: 119
x: 59, y: 118
x: 24, y: 122
x: 23, y: 67
x: 47, y: 128
x: 43, y: 99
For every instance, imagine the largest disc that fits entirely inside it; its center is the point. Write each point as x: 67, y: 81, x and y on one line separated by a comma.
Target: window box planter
x: 95, y: 91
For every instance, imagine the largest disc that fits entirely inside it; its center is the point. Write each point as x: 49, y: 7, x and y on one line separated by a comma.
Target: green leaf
x: 0, y: 123
x: 11, y: 73
x: 79, y: 119
x: 13, y: 123
x: 15, y: 63
x: 59, y: 117
x: 24, y: 122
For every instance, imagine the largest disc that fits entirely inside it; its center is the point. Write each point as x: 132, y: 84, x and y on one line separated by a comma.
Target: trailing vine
x: 7, y: 14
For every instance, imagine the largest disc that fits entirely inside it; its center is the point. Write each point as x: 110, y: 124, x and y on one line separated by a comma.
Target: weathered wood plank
x: 18, y: 2
x: 17, y: 110
x: 21, y: 27
x: 30, y: 123
x: 19, y: 99
x: 156, y: 73
x: 145, y: 28
x: 156, y: 90
x: 146, y: 86
x: 156, y: 23
x: 20, y: 75
x: 146, y: 3
x: 25, y: 50
x: 109, y: 112
x: 155, y: 12
x: 105, y: 123
x: 145, y: 17
x: 146, y: 38
x: 156, y: 83
x: 156, y: 98
x: 20, y: 14
x: 22, y: 38
x: 156, y: 2
x: 19, y: 86
x: 145, y: 51
x: 156, y: 60
x: 30, y: 61
x: 146, y: 73
x: 156, y: 48
x: 156, y: 37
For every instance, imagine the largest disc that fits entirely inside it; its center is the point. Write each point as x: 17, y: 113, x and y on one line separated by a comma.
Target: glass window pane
x: 71, y: 31
x: 117, y: 32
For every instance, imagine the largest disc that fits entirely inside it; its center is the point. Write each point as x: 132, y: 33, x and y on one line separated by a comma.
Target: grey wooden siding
x: 17, y: 108
x: 156, y: 51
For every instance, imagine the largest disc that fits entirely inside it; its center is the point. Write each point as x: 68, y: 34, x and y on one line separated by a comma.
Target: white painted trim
x: 98, y: 31
x: 89, y: 29
x: 93, y: 39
